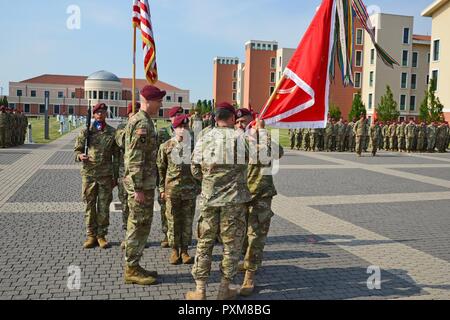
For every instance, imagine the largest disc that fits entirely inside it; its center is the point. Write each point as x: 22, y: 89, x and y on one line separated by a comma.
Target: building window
x: 234, y: 85
x: 280, y: 62
x: 370, y: 104
x: 359, y: 36
x: 358, y: 59
x: 94, y: 95
x: 180, y: 99
x: 100, y: 95
x: 56, y: 109
x: 413, y: 81
x: 405, y: 58
x: 19, y: 93
x: 33, y: 93
x: 406, y: 36
x: 42, y: 108
x: 402, y: 102
x: 429, y: 57
x: 116, y: 96
x: 26, y: 108
x: 436, y: 49
x: 72, y: 95
x: 371, y: 75
x: 60, y: 94
x: 234, y: 74
x: 272, y: 77
x: 234, y: 96
x: 415, y: 59
x: 47, y: 94
x: 161, y: 113
x: 372, y: 56
x: 273, y: 63
x: 272, y: 89
x: 435, y: 77
x: 412, y: 103
x: 112, y: 95
x: 168, y: 98
x: 71, y: 110
x: 357, y: 80
x: 404, y: 84
x: 12, y: 106
x: 106, y: 95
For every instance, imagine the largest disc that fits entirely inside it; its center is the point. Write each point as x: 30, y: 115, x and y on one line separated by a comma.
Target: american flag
x: 142, y: 20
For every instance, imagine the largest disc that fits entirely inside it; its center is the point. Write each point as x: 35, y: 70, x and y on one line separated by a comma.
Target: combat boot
x: 199, y: 293
x: 225, y: 292
x: 123, y: 245
x: 165, y: 242
x: 185, y: 256
x: 248, y: 285
x: 153, y: 274
x: 137, y: 276
x: 103, y: 243
x: 175, y: 256
x: 91, y: 242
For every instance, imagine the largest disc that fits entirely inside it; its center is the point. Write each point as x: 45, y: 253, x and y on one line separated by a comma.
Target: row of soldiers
x: 235, y: 198
x: 393, y: 136
x: 13, y: 127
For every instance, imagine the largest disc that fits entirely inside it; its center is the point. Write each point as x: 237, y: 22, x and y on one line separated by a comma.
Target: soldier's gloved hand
x: 83, y: 158
x: 139, y: 197
x: 163, y: 196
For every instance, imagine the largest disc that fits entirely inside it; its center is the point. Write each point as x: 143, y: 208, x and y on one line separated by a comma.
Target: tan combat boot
x: 225, y: 292
x: 175, y: 256
x: 136, y: 276
x: 248, y: 285
x: 185, y: 256
x: 153, y: 274
x: 123, y: 245
x: 103, y: 243
x: 165, y: 242
x: 91, y: 242
x: 199, y: 293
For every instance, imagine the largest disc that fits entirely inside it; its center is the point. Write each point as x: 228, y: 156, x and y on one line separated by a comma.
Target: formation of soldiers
x: 223, y: 167
x: 13, y: 127
x: 344, y: 136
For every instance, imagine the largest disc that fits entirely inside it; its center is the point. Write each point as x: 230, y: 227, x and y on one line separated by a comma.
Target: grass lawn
x: 37, y: 125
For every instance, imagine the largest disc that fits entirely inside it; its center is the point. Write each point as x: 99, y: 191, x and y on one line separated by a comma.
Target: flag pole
x: 272, y: 97
x: 133, y: 96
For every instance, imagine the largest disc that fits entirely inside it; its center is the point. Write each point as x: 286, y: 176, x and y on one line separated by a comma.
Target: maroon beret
x: 152, y: 93
x: 180, y: 120
x: 226, y: 106
x: 2, y: 108
x: 175, y: 110
x: 130, y: 107
x: 100, y: 106
x: 243, y: 113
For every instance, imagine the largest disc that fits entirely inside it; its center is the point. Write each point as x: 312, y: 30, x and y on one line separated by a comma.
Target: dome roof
x: 104, y: 76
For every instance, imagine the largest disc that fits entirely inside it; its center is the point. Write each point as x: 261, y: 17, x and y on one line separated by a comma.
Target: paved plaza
x: 336, y: 217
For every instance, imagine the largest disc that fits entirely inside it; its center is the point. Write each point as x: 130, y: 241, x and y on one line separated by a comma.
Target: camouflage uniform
x: 421, y: 137
x: 360, y: 131
x: 292, y: 133
x: 299, y: 138
x: 441, y: 138
x: 180, y: 189
x: 431, y: 138
x: 262, y: 189
x: 351, y: 136
x: 410, y: 133
x: 98, y: 175
x: 306, y: 139
x: 328, y: 136
x: 374, y: 134
x: 385, y: 132
x: 223, y: 200
x: 393, y: 142
x: 313, y: 139
x: 122, y: 192
x: 3, y: 128
x: 320, y: 132
x: 164, y: 134
x: 340, y: 136
x: 140, y: 176
x: 401, y: 137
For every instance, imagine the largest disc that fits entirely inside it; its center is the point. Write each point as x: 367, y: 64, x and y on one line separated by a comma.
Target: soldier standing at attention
x: 328, y: 135
x: 194, y: 120
x: 99, y: 173
x: 401, y: 136
x: 421, y: 136
x: 141, y: 150
x: 374, y: 134
x: 178, y: 189
x: 431, y: 137
x: 298, y: 138
x: 3, y: 126
x: 360, y: 133
x: 340, y: 135
x: 122, y: 192
x: 393, y: 142
x: 410, y: 132
x: 292, y: 138
x: 386, y: 146
x: 218, y: 162
x: 165, y: 134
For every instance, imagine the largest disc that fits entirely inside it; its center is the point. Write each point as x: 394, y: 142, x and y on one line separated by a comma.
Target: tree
x: 431, y: 108
x: 4, y: 102
x: 358, y: 107
x: 335, y: 112
x: 387, y: 110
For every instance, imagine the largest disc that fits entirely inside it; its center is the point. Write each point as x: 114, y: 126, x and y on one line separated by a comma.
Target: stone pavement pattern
x: 336, y: 215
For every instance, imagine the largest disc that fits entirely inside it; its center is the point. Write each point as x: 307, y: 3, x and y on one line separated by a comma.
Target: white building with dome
x: 73, y: 94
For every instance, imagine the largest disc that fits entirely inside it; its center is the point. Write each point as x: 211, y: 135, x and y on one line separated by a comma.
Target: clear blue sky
x: 189, y: 34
